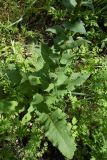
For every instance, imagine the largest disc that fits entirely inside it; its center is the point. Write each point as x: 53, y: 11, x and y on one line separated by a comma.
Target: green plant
x: 55, y: 93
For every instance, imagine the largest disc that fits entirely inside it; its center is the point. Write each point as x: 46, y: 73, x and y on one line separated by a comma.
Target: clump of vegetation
x: 53, y: 84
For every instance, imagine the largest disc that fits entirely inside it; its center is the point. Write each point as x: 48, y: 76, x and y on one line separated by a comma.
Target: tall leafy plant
x: 43, y: 79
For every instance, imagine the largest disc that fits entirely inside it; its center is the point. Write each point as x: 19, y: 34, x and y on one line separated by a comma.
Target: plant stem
x: 77, y: 9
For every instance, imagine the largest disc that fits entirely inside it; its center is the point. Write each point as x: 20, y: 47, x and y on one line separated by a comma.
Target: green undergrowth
x: 53, y: 85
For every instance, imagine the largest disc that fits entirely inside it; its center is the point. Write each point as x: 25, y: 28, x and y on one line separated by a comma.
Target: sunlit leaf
x: 57, y: 132
x: 76, y: 27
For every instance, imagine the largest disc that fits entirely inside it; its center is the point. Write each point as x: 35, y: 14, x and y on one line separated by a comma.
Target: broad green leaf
x: 76, y: 79
x: 57, y: 132
x: 74, y: 121
x: 66, y: 56
x: 27, y: 117
x: 70, y: 45
x: 37, y: 58
x: 51, y: 99
x: 93, y: 158
x: 39, y: 64
x: 61, y: 78
x: 37, y: 98
x: 88, y: 3
x: 79, y: 78
x: 104, y: 43
x: 60, y: 93
x: 50, y: 87
x: 69, y: 3
x: 26, y: 88
x: 64, y: 60
x: 34, y: 80
x: 38, y: 103
x: 7, y: 106
x: 13, y: 74
x: 76, y: 27
x: 56, y: 29
x: 60, y: 39
x: 46, y: 54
